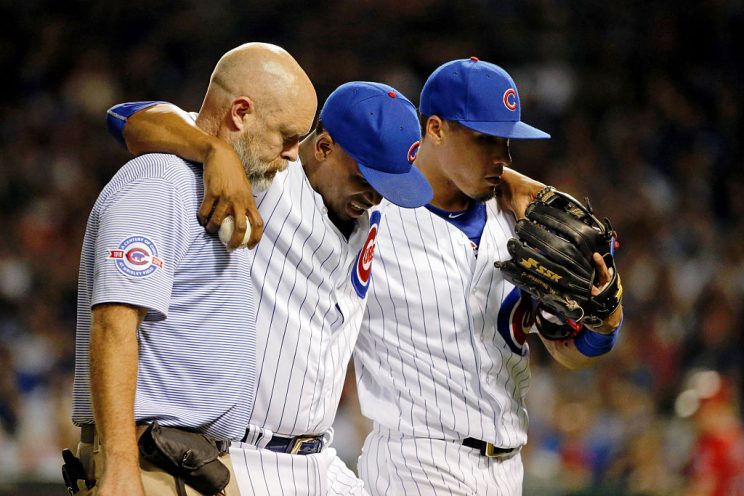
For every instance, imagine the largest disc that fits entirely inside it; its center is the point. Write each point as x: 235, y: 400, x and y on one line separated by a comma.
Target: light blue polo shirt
x: 197, y: 346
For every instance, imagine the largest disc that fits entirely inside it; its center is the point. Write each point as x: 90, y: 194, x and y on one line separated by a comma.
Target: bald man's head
x: 261, y: 101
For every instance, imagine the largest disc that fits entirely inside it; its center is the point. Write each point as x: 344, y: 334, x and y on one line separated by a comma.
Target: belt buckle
x: 491, y: 452
x: 299, y: 442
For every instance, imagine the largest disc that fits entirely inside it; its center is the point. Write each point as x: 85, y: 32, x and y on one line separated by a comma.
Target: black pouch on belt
x: 189, y: 456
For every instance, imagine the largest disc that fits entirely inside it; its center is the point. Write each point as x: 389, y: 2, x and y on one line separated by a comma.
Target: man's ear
x: 241, y: 109
x: 323, y: 146
x: 435, y: 129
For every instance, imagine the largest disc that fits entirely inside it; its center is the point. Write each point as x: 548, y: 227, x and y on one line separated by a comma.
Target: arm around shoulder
x: 165, y: 128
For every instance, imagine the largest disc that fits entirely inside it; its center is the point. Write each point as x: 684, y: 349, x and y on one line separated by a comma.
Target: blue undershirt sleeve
x: 116, y: 117
x: 593, y: 344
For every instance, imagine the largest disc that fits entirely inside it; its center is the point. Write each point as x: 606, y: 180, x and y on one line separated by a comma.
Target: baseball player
x: 153, y: 357
x: 311, y: 273
x: 442, y: 363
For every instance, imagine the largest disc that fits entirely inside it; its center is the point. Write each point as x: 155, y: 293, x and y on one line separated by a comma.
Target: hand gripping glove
x: 552, y: 261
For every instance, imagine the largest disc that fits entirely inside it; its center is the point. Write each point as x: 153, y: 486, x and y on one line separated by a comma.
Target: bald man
x: 164, y: 352
x: 274, y: 95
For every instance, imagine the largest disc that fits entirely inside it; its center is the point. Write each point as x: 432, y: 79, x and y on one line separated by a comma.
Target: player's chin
x: 483, y: 194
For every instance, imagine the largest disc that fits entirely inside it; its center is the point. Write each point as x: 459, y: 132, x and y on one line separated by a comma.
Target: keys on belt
x: 487, y: 449
x: 298, y: 445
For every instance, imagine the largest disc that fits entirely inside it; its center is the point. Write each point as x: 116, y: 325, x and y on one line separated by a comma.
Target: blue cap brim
x: 511, y: 130
x: 409, y: 189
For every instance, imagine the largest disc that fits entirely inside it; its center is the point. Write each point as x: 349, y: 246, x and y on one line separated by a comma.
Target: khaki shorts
x: 155, y: 481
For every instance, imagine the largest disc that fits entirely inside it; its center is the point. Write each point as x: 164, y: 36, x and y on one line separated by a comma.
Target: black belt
x: 486, y: 449
x: 298, y: 445
x: 88, y: 432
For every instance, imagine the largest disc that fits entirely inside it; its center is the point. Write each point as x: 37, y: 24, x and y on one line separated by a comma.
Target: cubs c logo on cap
x: 136, y: 256
x: 413, y: 151
x: 515, y: 319
x: 362, y: 271
x: 510, y: 99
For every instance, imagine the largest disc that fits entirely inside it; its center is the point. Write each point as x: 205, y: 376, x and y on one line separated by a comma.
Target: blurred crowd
x: 642, y: 102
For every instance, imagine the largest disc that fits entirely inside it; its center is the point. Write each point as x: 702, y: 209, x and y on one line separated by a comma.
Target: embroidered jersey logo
x: 510, y: 99
x: 454, y: 216
x: 362, y: 270
x: 413, y: 151
x: 136, y: 256
x: 515, y: 319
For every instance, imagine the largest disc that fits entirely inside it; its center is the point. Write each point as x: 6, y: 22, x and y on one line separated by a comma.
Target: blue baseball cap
x: 478, y: 95
x: 379, y: 128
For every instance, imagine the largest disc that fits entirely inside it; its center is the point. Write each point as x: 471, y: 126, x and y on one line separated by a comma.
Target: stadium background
x: 644, y: 104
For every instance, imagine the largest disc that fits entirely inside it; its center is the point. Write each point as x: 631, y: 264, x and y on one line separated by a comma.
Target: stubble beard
x: 260, y: 172
x: 484, y: 197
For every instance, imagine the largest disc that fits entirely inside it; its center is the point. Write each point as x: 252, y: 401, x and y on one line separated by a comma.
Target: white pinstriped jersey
x: 261, y: 472
x: 309, y: 312
x: 441, y: 353
x: 393, y: 464
x: 143, y: 246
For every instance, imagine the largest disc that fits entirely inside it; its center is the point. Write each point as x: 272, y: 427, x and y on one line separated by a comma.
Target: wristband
x: 592, y: 344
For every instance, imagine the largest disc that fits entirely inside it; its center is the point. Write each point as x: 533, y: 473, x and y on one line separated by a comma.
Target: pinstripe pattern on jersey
x: 308, y: 313
x: 394, y: 464
x: 430, y: 362
x: 197, y: 347
x: 262, y: 472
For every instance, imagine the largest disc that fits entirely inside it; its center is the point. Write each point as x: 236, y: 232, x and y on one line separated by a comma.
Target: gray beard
x: 259, y: 183
x: 255, y: 169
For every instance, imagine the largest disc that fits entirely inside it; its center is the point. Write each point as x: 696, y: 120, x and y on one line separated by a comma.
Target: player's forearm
x: 517, y: 191
x: 113, y: 379
x: 511, y: 176
x: 577, y: 356
x: 165, y: 128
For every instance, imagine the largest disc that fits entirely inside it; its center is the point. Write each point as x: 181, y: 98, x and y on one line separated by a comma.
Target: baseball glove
x: 552, y: 261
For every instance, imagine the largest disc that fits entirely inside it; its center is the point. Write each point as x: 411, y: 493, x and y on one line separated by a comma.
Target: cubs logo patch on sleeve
x: 362, y: 271
x: 136, y: 256
x: 515, y: 319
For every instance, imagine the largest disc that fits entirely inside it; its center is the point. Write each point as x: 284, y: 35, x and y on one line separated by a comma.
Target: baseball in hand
x: 228, y: 226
